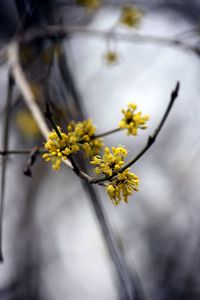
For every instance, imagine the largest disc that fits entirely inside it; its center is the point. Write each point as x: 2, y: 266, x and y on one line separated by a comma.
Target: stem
x: 78, y: 171
x: 49, y: 116
x: 107, y: 133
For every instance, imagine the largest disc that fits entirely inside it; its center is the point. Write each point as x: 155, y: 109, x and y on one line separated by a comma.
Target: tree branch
x: 151, y: 138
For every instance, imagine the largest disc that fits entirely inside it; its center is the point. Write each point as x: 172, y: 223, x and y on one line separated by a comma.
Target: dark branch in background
x: 151, y: 138
x: 129, y: 287
x: 69, y: 84
x: 13, y: 107
x: 4, y: 158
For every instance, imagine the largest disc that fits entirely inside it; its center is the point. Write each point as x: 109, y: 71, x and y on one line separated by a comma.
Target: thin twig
x: 151, y: 138
x: 78, y: 171
x: 4, y: 162
x: 100, y: 135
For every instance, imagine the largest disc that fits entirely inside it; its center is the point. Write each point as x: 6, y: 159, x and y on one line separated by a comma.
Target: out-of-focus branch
x: 55, y: 31
x: 4, y: 161
x: 24, y: 87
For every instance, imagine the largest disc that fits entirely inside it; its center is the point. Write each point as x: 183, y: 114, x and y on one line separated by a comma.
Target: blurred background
x: 53, y: 242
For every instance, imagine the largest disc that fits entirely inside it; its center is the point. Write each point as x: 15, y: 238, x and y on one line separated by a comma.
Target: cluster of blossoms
x: 123, y: 183
x: 109, y: 162
x: 131, y: 16
x: 85, y: 135
x: 122, y: 186
x: 133, y: 120
x: 81, y: 136
x: 59, y: 148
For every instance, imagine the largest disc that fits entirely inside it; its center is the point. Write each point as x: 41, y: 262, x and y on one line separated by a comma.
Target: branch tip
x: 48, y: 113
x: 175, y: 92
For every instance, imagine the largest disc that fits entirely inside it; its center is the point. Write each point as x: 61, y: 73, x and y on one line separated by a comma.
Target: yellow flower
x: 122, y: 186
x: 89, y: 4
x: 109, y: 162
x: 79, y: 136
x: 131, y: 16
x: 59, y: 149
x: 85, y: 130
x: 133, y: 120
x: 93, y: 147
x: 85, y: 134
x: 111, y: 57
x: 27, y: 123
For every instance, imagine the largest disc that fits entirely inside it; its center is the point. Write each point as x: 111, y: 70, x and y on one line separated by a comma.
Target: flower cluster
x: 122, y: 186
x: 109, y: 162
x: 85, y: 134
x: 133, y: 120
x: 59, y: 148
x: 89, y: 4
x: 131, y: 16
x: 79, y: 136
